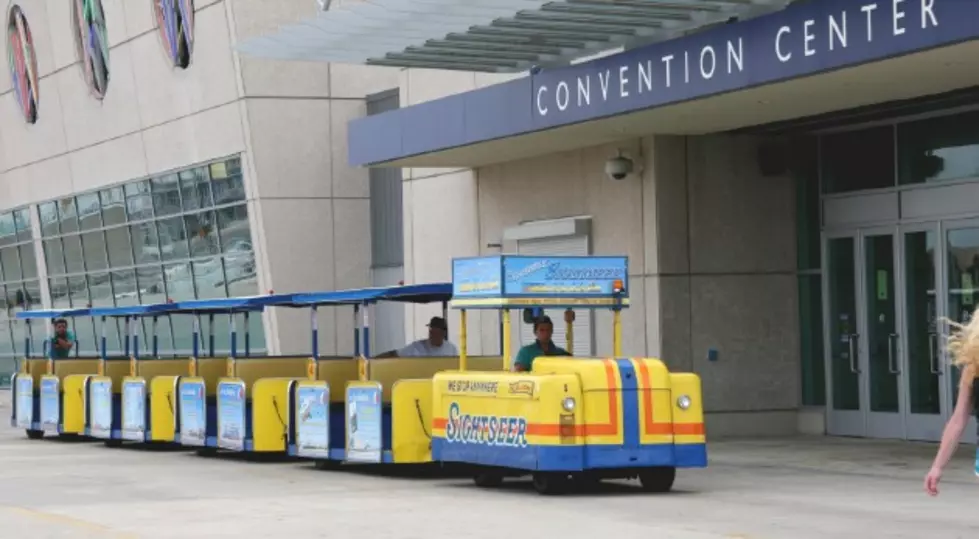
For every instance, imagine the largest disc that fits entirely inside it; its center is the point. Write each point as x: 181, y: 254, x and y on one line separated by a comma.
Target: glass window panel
x: 939, y: 149
x: 32, y: 290
x: 84, y: 327
x: 89, y: 211
x: 113, y: 202
x: 256, y: 333
x: 68, y: 215
x: 124, y: 288
x: 11, y: 264
x: 180, y: 287
x: 100, y: 288
x: 7, y: 347
x: 240, y: 274
x: 139, y: 202
x: 166, y: 195
x: 119, y: 246
x: 209, y: 278
x: 18, y: 331
x: 49, y: 219
x: 8, y: 229
x: 146, y: 247
x: 22, y: 218
x: 195, y: 189
x: 222, y: 335
x: 74, y: 261
x: 149, y: 281
x: 202, y: 232
x: 173, y: 238
x: 179, y: 281
x: 27, y: 261
x: 94, y: 246
x: 60, y: 298
x: 226, y: 182
x: 234, y: 229
x: 17, y: 298
x: 54, y: 256
x: 8, y: 303
x: 858, y: 160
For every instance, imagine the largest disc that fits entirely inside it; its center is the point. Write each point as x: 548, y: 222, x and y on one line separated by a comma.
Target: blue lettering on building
x: 803, y: 39
x: 485, y: 430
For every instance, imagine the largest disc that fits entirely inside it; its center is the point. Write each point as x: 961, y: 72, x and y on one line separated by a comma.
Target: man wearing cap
x: 543, y: 346
x: 435, y: 345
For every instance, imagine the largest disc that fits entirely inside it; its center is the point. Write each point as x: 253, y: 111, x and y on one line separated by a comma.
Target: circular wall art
x: 23, y: 63
x: 175, y: 18
x: 92, y: 43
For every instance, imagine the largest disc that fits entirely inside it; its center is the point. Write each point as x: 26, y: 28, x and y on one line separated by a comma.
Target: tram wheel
x: 35, y: 434
x: 488, y: 479
x: 549, y: 483
x: 659, y: 479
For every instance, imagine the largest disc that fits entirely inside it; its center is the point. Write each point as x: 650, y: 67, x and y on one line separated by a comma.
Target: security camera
x: 617, y: 168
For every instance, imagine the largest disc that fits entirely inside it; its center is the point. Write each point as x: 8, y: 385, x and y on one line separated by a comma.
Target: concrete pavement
x: 791, y: 488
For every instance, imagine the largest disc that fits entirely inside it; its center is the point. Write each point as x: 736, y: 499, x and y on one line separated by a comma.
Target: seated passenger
x: 436, y: 345
x: 543, y: 346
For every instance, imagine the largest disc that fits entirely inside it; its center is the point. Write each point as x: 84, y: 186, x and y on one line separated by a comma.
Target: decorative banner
x: 134, y: 410
x: 231, y: 415
x: 193, y: 413
x: 539, y: 276
x: 50, y: 403
x: 25, y: 401
x: 313, y: 420
x: 175, y: 19
x: 23, y: 63
x: 92, y: 44
x: 100, y: 407
x: 364, y: 442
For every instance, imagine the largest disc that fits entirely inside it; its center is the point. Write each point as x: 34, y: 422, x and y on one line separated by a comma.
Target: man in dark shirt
x: 543, y: 346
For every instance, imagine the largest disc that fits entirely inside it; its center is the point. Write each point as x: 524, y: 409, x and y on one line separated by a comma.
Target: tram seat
x: 35, y: 368
x: 336, y: 372
x: 148, y: 369
x: 389, y: 371
x: 411, y: 401
x: 117, y: 369
x: 211, y: 369
x: 252, y: 369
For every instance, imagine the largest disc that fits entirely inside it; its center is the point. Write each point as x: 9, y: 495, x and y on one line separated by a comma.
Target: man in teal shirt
x: 63, y: 339
x: 543, y: 346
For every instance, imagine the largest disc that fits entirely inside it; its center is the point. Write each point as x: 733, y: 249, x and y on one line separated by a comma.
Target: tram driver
x: 542, y: 346
x: 436, y: 345
x: 63, y: 340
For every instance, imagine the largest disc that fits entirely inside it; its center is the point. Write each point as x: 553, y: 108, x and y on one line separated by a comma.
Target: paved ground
x: 793, y: 488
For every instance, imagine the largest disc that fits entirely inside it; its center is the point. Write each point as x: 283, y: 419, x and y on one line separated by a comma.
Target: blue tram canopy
x: 492, y: 282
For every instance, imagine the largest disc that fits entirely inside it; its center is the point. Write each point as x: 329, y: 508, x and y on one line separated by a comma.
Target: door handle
x: 891, y: 359
x: 932, y: 356
x: 853, y: 353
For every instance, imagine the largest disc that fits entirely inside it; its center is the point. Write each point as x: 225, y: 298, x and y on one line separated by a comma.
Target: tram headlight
x: 568, y: 404
x: 683, y: 402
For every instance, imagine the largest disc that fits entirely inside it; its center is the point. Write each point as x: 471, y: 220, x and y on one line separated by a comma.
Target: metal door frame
x: 841, y: 422
x: 946, y: 226
x: 863, y: 422
x: 925, y: 427
x: 881, y: 424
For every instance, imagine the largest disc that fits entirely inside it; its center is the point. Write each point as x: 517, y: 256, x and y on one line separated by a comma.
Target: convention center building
x: 796, y: 184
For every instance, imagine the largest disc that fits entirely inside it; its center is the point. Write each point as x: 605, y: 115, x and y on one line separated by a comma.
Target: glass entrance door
x: 866, y: 394
x: 927, y: 407
x: 961, y: 273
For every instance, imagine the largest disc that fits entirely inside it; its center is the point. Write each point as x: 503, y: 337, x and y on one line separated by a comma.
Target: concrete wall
x: 308, y: 209
x: 710, y: 241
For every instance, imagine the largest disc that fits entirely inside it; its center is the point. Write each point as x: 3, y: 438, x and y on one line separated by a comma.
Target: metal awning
x: 502, y: 36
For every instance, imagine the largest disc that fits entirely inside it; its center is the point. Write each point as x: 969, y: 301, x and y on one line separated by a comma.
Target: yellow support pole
x: 506, y: 340
x: 617, y: 332
x: 462, y: 340
x: 569, y: 331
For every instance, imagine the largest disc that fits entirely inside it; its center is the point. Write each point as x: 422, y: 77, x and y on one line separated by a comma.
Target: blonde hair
x: 963, y: 342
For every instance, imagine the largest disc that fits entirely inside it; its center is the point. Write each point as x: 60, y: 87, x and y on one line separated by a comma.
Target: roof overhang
x: 502, y: 36
x: 811, y: 58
